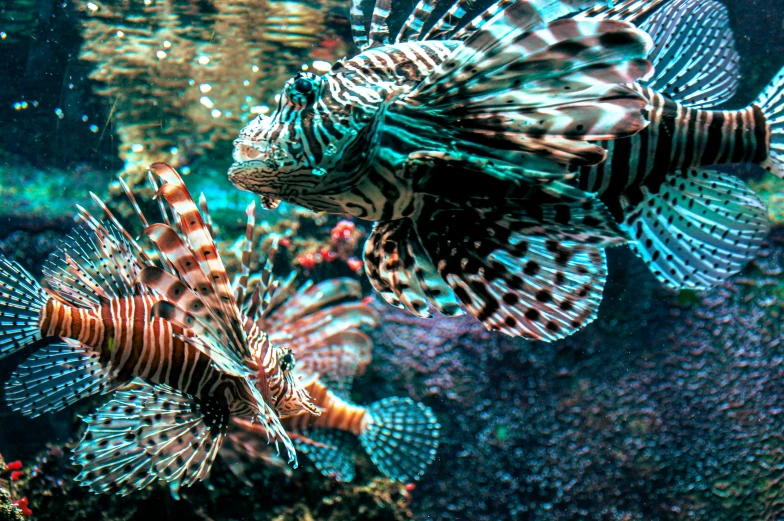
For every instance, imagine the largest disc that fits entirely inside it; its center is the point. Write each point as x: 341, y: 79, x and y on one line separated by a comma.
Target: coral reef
x: 182, y: 75
x: 307, y: 496
x: 668, y: 407
x: 11, y: 509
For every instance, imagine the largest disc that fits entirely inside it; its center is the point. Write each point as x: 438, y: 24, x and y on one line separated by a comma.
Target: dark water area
x: 668, y: 407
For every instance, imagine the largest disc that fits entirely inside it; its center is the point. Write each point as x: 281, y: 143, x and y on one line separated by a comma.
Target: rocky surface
x: 667, y: 407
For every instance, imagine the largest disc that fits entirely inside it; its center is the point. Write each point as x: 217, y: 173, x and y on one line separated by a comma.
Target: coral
x: 271, y: 496
x: 183, y: 75
x: 667, y: 408
x: 11, y: 509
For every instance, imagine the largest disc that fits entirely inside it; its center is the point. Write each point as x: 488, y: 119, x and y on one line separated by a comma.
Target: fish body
x: 320, y: 324
x: 500, y: 158
x: 166, y: 336
x: 129, y: 344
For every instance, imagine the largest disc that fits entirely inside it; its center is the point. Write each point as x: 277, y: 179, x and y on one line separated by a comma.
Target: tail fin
x: 771, y: 101
x: 401, y: 437
x: 21, y: 303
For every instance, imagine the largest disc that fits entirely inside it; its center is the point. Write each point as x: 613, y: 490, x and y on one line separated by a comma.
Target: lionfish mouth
x: 269, y: 203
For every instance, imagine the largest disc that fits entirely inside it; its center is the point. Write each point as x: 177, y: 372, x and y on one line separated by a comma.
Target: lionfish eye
x: 287, y: 361
x: 303, y: 86
x: 302, y: 90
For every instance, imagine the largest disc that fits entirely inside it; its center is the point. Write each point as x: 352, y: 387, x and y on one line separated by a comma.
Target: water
x: 666, y: 407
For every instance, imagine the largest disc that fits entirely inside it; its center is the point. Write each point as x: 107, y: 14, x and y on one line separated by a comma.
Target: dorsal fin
x: 241, y: 282
x: 203, y: 248
x: 95, y: 261
x: 358, y: 29
x: 379, y: 30
x: 413, y: 26
x: 444, y: 27
x: 626, y: 10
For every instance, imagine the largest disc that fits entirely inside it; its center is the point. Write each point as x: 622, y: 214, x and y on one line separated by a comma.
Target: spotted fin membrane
x: 115, y: 451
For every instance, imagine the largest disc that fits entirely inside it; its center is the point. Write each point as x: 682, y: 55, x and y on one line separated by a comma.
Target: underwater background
x: 669, y: 406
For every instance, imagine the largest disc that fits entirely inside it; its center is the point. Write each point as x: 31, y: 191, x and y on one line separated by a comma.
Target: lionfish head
x: 290, y: 154
x: 286, y: 393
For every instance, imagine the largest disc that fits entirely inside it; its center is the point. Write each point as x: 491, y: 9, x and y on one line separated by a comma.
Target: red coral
x: 23, y: 506
x: 14, y: 465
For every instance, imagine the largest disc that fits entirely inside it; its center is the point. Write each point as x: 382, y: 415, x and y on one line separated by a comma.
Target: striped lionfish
x: 330, y: 351
x: 500, y: 157
x: 172, y: 332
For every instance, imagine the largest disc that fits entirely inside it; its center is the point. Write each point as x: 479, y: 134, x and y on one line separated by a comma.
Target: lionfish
x: 500, y: 157
x: 170, y: 332
x: 321, y: 324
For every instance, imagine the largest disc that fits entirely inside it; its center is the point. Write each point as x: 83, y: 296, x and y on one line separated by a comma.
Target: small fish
x: 320, y: 324
x: 120, y: 322
x: 500, y: 157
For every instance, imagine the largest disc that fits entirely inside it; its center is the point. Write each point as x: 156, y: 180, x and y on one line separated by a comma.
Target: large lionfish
x: 500, y: 157
x: 320, y: 325
x: 171, y: 329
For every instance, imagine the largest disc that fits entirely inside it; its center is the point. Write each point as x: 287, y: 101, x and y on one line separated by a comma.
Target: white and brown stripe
x: 677, y: 138
x: 132, y: 346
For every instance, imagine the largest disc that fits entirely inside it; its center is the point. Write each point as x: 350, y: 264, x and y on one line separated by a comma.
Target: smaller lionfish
x: 171, y: 329
x: 399, y: 435
x: 500, y: 156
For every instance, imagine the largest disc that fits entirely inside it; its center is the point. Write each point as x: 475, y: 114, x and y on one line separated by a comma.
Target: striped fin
x: 310, y: 298
x: 379, y: 30
x: 185, y: 266
x: 134, y: 204
x: 322, y: 325
x: 207, y: 341
x: 335, y: 366
x: 399, y: 268
x: 415, y: 23
x: 358, y: 27
x: 205, y: 212
x: 204, y: 249
x: 443, y: 28
x: 147, y: 433
x: 482, y: 19
x: 401, y: 437
x: 626, y: 10
x: 332, y: 451
x: 241, y: 283
x: 95, y: 260
x: 56, y: 376
x: 113, y: 226
x: 699, y: 229
x: 771, y: 101
x: 245, y: 446
x: 21, y: 302
x: 547, y: 91
x: 537, y: 273
x: 695, y: 57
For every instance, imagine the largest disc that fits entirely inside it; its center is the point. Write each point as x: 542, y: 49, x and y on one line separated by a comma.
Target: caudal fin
x: 21, y: 303
x: 698, y: 229
x: 771, y: 101
x: 401, y: 437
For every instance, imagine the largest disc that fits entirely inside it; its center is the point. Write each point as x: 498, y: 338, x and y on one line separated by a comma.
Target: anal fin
x: 56, y: 376
x: 699, y: 229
